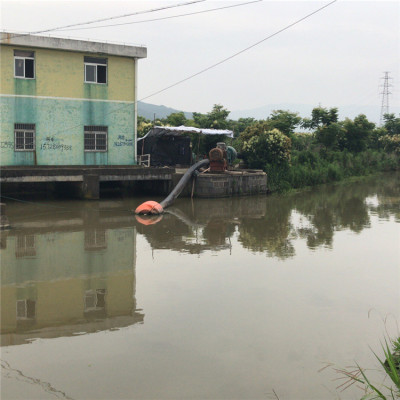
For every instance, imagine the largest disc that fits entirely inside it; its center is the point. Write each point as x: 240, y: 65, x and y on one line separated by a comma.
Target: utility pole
x: 385, y: 96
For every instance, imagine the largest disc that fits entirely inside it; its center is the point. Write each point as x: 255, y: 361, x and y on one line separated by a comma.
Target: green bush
x: 265, y: 146
x: 390, y: 144
x: 308, y: 168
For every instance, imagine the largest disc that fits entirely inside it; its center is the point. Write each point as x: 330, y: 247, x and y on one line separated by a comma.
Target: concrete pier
x: 4, y: 223
x: 85, y: 179
x: 91, y: 187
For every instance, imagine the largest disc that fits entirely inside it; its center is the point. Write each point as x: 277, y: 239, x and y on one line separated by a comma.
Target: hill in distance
x: 148, y: 111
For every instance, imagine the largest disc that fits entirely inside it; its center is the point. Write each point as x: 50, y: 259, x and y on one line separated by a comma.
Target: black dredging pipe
x: 182, y: 183
x: 152, y: 207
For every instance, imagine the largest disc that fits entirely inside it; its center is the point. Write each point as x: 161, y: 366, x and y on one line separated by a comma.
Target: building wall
x: 60, y: 103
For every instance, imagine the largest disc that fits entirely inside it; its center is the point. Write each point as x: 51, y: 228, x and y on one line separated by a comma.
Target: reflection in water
x: 68, y: 273
x: 62, y: 276
x: 216, y: 327
x: 270, y: 224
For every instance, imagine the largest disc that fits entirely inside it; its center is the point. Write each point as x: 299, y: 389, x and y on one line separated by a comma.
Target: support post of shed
x: 135, y: 76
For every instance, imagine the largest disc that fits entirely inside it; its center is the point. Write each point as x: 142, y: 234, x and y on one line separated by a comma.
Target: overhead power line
x: 107, y: 18
x: 213, y: 65
x: 241, y: 51
x: 161, y: 18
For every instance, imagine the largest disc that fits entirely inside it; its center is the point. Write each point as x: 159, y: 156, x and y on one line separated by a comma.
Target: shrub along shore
x: 327, y: 150
x: 308, y: 168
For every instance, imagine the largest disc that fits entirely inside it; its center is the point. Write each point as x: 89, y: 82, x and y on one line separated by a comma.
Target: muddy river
x: 245, y: 298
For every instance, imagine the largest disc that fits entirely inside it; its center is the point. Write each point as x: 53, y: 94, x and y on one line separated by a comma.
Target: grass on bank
x: 390, y: 368
x: 308, y: 168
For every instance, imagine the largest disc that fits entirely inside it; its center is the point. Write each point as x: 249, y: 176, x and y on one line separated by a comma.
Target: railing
x: 144, y: 160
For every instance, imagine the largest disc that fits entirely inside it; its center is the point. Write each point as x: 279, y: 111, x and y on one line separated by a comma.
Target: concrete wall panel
x: 60, y: 131
x: 61, y: 74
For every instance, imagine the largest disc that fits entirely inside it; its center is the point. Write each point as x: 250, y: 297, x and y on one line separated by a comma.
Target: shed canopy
x: 159, y: 131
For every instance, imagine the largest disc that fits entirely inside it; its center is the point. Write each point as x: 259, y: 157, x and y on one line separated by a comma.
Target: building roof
x: 159, y: 131
x: 84, y: 46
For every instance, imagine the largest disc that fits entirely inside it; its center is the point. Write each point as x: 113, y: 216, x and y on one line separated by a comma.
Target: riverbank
x: 308, y: 168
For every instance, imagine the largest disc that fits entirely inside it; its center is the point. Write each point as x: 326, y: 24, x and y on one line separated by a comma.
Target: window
x: 95, y: 70
x: 95, y: 300
x: 24, y: 137
x: 24, y: 64
x: 95, y: 138
x: 25, y: 246
x: 95, y: 239
x: 26, y: 309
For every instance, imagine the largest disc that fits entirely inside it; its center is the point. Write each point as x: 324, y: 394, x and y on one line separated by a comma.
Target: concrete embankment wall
x: 226, y: 184
x: 88, y: 181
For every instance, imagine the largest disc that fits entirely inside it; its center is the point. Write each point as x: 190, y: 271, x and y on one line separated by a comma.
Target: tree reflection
x: 272, y: 224
x: 388, y: 199
x: 332, y: 208
x: 272, y: 232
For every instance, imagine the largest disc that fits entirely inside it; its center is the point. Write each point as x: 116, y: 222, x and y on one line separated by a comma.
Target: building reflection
x: 70, y: 272
x: 62, y: 276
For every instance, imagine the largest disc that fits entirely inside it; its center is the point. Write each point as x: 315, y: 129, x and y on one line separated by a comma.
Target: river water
x: 244, y: 298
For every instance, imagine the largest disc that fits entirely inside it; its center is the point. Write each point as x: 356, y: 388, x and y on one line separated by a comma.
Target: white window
x: 95, y: 239
x: 24, y: 137
x: 95, y: 138
x: 95, y: 70
x: 95, y: 300
x: 24, y: 64
x: 26, y: 309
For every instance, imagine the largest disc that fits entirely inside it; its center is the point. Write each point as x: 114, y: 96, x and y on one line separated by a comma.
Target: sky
x: 334, y: 58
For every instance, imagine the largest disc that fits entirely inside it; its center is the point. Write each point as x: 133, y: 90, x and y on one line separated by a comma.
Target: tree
x: 329, y: 135
x: 392, y: 124
x: 357, y: 133
x: 285, y: 121
x: 176, y: 119
x: 255, y: 129
x: 200, y: 120
x: 390, y: 138
x: 325, y: 123
x: 265, y: 146
x: 217, y: 118
x: 240, y: 125
x: 321, y: 116
x: 143, y: 125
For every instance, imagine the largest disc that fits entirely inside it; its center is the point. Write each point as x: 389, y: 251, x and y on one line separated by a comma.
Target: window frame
x: 96, y: 70
x: 24, y: 58
x: 92, y: 299
x: 25, y: 128
x: 98, y: 131
x: 28, y: 306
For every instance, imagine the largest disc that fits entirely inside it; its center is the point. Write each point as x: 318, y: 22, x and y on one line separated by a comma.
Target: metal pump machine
x: 221, y: 157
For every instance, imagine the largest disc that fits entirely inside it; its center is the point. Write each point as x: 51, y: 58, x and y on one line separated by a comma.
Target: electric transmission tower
x: 385, y: 96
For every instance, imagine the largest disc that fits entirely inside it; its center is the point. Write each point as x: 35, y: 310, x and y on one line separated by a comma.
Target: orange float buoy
x: 149, y: 220
x: 149, y: 207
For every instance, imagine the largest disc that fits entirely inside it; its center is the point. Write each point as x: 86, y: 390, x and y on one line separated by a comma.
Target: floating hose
x: 152, y: 207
